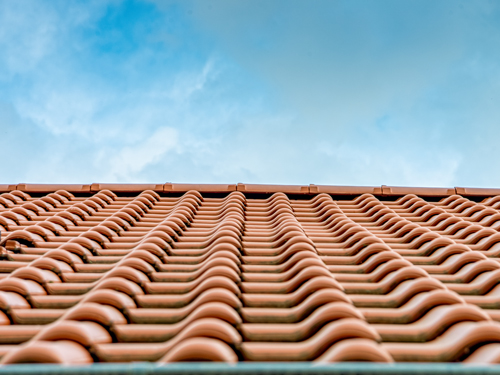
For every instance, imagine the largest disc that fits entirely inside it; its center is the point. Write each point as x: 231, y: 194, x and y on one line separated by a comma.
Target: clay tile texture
x: 248, y: 273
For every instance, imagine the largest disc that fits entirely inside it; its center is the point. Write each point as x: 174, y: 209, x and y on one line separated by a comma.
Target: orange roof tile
x: 244, y: 273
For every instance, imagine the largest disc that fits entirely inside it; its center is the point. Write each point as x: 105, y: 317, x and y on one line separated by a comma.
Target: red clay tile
x: 202, y: 188
x: 423, y: 192
x: 482, y: 192
x: 48, y: 188
x: 126, y: 188
x: 344, y: 190
x: 266, y: 189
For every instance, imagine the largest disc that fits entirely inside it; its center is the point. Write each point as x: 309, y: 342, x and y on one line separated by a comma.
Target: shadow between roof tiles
x: 241, y: 279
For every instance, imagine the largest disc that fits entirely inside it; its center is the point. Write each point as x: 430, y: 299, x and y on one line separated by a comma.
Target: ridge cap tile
x: 125, y: 187
x: 5, y: 188
x: 344, y: 190
x: 208, y: 188
x: 264, y: 188
x: 477, y: 191
x: 421, y: 191
x: 47, y: 188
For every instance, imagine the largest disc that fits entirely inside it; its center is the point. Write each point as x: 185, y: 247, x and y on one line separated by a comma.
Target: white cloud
x: 128, y: 161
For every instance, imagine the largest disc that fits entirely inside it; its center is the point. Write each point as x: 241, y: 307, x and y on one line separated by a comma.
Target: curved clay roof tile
x: 311, y: 348
x: 86, y: 334
x: 201, y: 349
x: 356, y: 350
x: 61, y: 352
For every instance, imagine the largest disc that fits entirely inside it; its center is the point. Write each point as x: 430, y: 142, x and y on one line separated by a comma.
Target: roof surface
x: 247, y: 273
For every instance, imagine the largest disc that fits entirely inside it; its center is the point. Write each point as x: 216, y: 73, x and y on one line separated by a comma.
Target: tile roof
x: 240, y: 273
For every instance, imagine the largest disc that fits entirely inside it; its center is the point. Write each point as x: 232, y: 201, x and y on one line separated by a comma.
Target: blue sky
x: 354, y: 92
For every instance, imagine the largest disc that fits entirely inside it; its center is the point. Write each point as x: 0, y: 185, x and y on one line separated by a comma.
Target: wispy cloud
x: 132, y: 159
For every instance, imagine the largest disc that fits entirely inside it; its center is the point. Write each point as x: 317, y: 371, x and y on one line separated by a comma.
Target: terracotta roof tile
x: 423, y: 192
x: 345, y: 190
x: 477, y: 191
x: 287, y: 189
x: 202, y: 188
x: 242, y: 273
x: 47, y: 188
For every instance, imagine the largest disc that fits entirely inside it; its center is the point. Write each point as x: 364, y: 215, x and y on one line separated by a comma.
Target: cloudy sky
x: 354, y: 92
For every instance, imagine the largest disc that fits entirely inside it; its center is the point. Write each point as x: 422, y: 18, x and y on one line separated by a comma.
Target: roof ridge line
x: 383, y: 190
